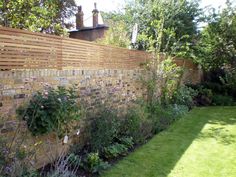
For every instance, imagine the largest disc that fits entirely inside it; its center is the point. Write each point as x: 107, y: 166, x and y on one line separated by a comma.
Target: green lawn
x: 202, y: 144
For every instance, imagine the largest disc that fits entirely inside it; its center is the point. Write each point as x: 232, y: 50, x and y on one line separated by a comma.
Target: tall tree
x: 217, y: 44
x: 170, y: 25
x: 37, y: 15
x: 118, y: 34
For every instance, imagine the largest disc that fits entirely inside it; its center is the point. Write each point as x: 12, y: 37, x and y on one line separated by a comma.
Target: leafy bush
x: 104, y: 129
x: 94, y: 164
x: 178, y: 110
x: 63, y: 167
x: 214, y: 86
x: 229, y: 81
x: 184, y: 96
x: 222, y: 100
x: 137, y: 124
x: 115, y: 150
x: 51, y: 110
x: 127, y: 141
x: 204, y: 95
x: 74, y: 159
x: 162, y: 116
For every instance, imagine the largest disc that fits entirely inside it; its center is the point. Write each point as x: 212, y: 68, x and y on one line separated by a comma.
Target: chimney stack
x: 79, y: 18
x: 95, y: 16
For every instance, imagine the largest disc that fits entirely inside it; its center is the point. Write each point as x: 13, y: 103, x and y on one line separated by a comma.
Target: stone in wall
x: 118, y: 88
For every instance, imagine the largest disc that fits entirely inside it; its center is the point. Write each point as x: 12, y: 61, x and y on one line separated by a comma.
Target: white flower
x: 42, y: 106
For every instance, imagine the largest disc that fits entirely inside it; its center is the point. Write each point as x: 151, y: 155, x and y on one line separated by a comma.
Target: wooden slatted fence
x: 21, y: 49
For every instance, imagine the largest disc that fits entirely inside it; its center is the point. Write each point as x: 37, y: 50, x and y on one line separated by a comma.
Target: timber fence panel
x: 21, y: 49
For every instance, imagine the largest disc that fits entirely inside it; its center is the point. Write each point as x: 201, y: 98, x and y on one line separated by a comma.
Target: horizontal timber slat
x: 21, y: 49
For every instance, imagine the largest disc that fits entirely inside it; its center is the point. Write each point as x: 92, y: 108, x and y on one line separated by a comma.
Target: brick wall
x: 115, y: 87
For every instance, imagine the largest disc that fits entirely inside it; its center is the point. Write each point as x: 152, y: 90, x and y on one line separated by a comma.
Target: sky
x: 114, y: 5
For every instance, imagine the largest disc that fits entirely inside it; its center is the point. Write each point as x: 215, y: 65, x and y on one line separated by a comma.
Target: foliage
x: 104, y: 129
x: 34, y: 15
x: 74, y: 159
x: 15, y: 157
x: 63, y: 167
x: 204, y: 96
x: 171, y: 76
x: 115, y: 150
x: 162, y: 116
x: 119, y: 148
x: 127, y: 141
x: 94, y: 164
x: 163, y: 74
x: 179, y: 110
x: 165, y: 24
x: 216, y: 47
x: 222, y: 100
x: 174, y: 147
x: 117, y: 34
x: 229, y: 82
x: 137, y: 125
x: 50, y: 111
x: 184, y: 96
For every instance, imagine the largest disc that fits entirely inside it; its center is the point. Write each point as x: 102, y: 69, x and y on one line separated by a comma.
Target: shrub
x: 115, y: 150
x: 178, y: 110
x: 184, y: 96
x: 63, y: 167
x: 15, y: 158
x: 137, y: 124
x: 162, y: 116
x: 127, y: 141
x: 50, y: 111
x: 74, y: 159
x: 229, y: 81
x: 104, y: 129
x: 204, y: 96
x: 94, y: 164
x: 222, y: 100
x: 119, y: 148
x: 215, y: 87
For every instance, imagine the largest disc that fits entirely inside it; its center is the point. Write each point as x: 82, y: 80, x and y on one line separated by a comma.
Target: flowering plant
x: 50, y: 111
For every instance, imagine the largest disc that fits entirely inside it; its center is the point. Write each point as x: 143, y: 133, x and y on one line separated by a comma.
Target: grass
x: 202, y: 144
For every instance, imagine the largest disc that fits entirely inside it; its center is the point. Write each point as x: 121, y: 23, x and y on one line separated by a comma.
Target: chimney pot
x: 79, y: 18
x: 95, y: 16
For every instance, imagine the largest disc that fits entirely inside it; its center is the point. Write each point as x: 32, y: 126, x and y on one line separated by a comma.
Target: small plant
x: 115, y: 150
x: 94, y: 164
x: 104, y: 129
x: 16, y: 156
x: 204, y: 94
x: 50, y: 111
x: 137, y: 124
x: 74, y: 159
x: 179, y: 110
x: 127, y: 141
x: 63, y: 167
x: 222, y: 100
x: 184, y: 96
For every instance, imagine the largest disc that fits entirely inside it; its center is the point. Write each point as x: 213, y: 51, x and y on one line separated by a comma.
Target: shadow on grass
x: 219, y: 131
x: 159, y: 156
